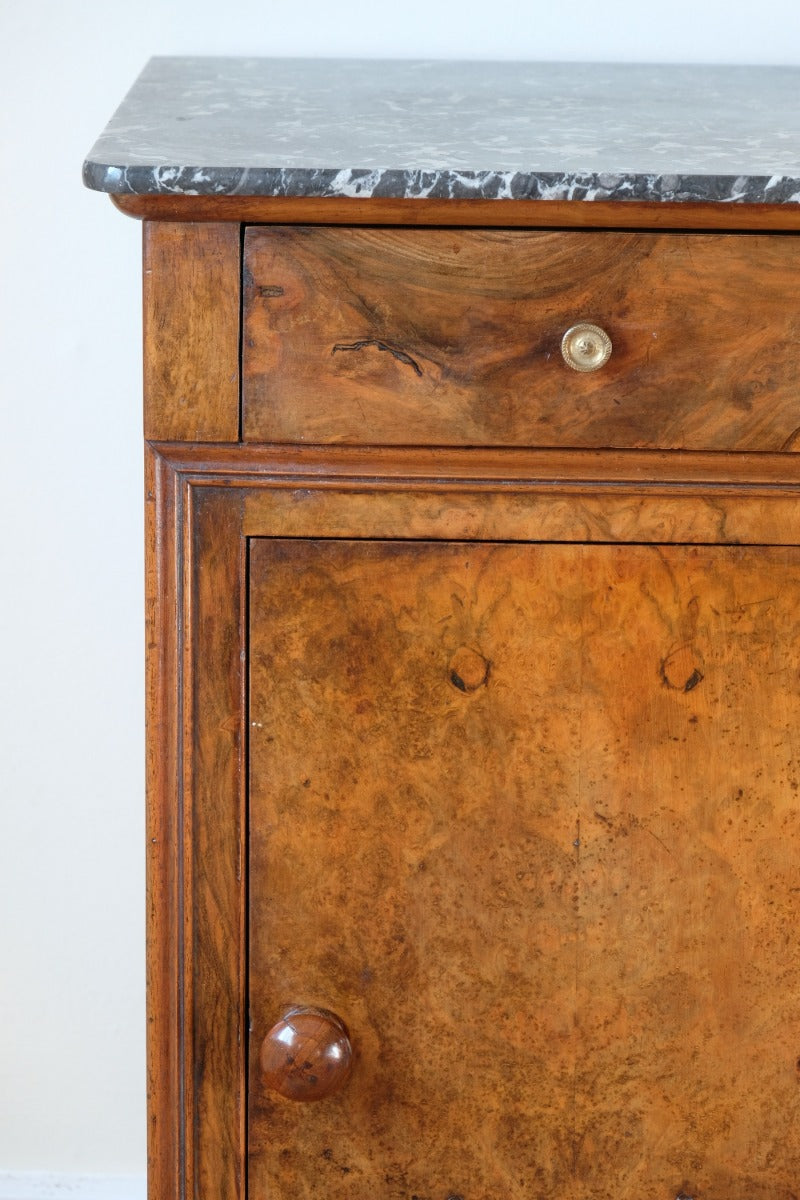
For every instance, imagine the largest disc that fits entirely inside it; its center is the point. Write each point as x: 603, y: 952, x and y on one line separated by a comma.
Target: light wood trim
x: 620, y: 214
x: 191, y: 331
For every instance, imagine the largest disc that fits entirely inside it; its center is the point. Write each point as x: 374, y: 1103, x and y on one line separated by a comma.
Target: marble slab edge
x: 353, y: 183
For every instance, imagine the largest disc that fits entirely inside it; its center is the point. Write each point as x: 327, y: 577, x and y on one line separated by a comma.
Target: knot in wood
x: 681, y: 669
x: 469, y: 670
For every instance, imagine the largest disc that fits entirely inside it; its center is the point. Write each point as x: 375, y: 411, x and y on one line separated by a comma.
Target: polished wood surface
x: 166, y: 1151
x: 205, y: 501
x: 215, y: 838
x: 337, y: 210
x: 196, y: 1010
x: 578, y: 496
x: 530, y: 802
x: 452, y: 468
x: 191, y: 331
x: 307, y: 1055
x: 564, y: 517
x: 554, y: 895
x: 448, y: 337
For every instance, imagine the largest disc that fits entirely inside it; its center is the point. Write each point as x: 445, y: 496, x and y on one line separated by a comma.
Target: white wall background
x: 71, y: 700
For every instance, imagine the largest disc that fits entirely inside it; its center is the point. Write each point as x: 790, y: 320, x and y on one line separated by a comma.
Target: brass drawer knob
x: 586, y: 347
x: 307, y: 1055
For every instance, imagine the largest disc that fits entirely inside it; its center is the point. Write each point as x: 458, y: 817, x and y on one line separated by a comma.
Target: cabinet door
x: 525, y: 817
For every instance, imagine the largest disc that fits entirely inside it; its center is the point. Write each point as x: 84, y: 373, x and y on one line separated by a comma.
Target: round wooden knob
x: 307, y: 1055
x: 586, y: 347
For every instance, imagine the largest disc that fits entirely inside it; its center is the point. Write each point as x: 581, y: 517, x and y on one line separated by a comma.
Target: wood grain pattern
x: 524, y: 814
x: 690, y: 970
x: 450, y: 337
x: 191, y: 332
x: 563, y: 516
x: 306, y: 1055
x: 215, y: 844
x: 447, y: 469
x: 595, y: 214
x: 424, y: 991
x: 196, y: 896
x: 555, y: 905
x: 511, y: 495
x: 199, y: 496
x: 165, y: 1011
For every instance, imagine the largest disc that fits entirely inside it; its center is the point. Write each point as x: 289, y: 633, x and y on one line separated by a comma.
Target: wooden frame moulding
x: 196, y: 840
x: 568, y: 214
x: 203, y: 503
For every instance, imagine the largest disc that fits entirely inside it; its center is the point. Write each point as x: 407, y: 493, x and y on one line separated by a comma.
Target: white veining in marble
x: 289, y: 127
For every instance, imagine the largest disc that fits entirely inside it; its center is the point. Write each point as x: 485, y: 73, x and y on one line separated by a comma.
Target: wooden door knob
x: 307, y: 1055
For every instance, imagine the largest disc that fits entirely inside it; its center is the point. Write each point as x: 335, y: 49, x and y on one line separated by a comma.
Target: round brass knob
x: 307, y: 1055
x: 586, y: 347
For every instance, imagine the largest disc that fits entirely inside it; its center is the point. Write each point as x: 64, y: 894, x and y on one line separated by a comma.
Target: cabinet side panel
x: 191, y: 331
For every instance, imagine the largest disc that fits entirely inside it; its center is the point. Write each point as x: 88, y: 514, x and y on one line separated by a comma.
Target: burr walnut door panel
x: 525, y: 817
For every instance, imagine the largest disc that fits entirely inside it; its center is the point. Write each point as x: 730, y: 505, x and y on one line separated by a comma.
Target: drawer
x: 453, y: 337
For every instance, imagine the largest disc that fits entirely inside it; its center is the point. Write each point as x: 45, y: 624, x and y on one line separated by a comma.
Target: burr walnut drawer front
x: 457, y: 337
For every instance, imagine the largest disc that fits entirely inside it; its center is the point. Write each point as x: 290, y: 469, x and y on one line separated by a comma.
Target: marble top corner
x: 408, y: 129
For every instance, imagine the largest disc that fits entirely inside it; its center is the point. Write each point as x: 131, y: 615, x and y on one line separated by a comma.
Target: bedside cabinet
x: 473, y: 628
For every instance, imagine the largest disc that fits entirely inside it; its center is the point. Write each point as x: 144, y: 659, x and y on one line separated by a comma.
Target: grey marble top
x: 405, y: 129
